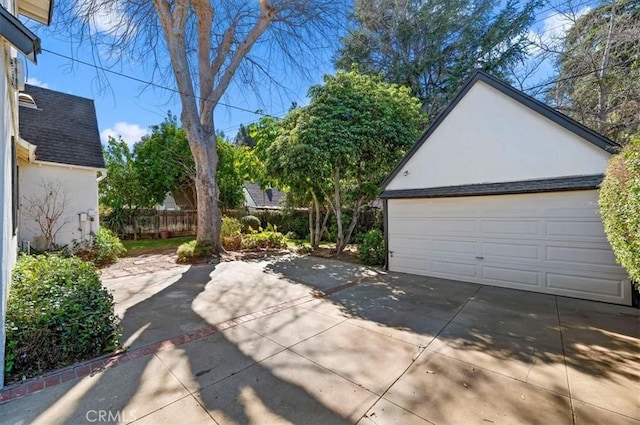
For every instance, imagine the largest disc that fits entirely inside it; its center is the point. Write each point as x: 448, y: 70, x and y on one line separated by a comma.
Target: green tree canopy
x: 432, y: 46
x: 346, y: 140
x: 123, y: 187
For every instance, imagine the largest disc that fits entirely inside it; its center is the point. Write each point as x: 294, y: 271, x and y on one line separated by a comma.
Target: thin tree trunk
x: 354, y: 221
x: 315, y: 242
x: 338, y: 210
x: 311, y: 235
x: 603, y: 93
x: 324, y: 224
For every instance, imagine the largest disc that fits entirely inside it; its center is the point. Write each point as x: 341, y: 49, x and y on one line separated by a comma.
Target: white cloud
x: 107, y: 17
x: 130, y: 133
x: 552, y: 30
x: 35, y: 82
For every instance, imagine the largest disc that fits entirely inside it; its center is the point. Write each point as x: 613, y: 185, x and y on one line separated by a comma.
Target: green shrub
x: 230, y: 227
x: 620, y: 208
x: 250, y: 222
x: 287, y: 221
x: 104, y: 249
x: 372, y: 249
x: 191, y: 251
x: 107, y: 247
x: 264, y: 240
x: 58, y: 314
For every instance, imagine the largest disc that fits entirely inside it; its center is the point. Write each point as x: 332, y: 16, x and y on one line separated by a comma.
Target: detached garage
x: 502, y: 190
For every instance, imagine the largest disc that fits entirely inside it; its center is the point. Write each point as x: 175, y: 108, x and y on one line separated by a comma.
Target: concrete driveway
x: 312, y: 341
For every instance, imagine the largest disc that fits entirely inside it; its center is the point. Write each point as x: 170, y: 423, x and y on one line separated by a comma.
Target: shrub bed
x: 264, y: 240
x: 58, y: 313
x: 105, y: 248
x: 371, y: 251
x: 190, y: 252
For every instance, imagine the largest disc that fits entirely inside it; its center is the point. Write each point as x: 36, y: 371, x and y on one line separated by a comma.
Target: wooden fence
x: 149, y: 224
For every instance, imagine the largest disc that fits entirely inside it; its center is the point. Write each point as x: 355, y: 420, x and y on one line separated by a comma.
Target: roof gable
x: 492, y: 132
x: 63, y: 127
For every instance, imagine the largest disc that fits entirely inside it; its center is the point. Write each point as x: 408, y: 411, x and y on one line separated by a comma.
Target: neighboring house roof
x: 524, y: 186
x: 268, y: 198
x: 557, y: 117
x: 63, y: 127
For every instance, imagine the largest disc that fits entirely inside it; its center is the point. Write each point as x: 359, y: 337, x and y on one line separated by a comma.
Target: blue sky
x: 127, y: 108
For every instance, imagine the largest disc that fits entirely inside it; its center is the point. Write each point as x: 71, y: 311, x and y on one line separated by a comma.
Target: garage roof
x: 529, y: 102
x: 503, y: 188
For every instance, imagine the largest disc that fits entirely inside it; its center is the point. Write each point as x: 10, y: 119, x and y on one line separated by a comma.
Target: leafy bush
x: 58, y: 313
x: 232, y: 243
x: 191, y: 251
x: 250, y: 222
x: 287, y: 221
x: 230, y: 227
x: 620, y: 207
x: 107, y: 247
x: 104, y: 249
x: 372, y: 250
x: 264, y: 240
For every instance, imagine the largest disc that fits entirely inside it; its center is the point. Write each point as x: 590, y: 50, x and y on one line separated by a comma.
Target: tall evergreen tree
x: 432, y: 46
x: 598, y: 82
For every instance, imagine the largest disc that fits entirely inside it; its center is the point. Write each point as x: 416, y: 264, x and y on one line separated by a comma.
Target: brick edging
x: 108, y: 361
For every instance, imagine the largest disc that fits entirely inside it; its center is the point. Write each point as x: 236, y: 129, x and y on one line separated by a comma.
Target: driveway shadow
x: 184, y: 377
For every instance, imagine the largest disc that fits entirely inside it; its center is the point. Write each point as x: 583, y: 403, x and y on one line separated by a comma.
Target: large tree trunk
x: 203, y: 147
x: 315, y: 239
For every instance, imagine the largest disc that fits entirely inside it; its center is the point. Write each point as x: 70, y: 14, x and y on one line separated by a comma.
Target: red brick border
x: 97, y: 365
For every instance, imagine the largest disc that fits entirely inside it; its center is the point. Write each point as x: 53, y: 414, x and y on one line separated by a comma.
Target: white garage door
x: 544, y: 242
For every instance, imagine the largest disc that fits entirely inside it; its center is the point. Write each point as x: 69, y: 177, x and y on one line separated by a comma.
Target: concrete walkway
x: 383, y: 349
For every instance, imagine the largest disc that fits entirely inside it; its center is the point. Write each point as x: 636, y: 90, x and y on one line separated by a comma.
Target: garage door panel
x: 505, y: 275
x: 576, y: 229
x: 547, y: 242
x: 580, y: 256
x: 595, y: 287
x: 408, y: 265
x: 511, y: 227
x: 456, y: 269
x: 455, y: 247
x: 407, y: 244
x: 509, y: 251
x: 452, y: 227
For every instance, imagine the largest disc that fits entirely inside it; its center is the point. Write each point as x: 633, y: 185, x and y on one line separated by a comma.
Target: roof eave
x: 38, y: 10
x: 16, y: 33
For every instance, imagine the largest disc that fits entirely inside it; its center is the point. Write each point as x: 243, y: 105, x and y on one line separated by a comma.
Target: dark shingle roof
x: 525, y: 186
x: 268, y: 198
x: 546, y: 111
x: 63, y: 127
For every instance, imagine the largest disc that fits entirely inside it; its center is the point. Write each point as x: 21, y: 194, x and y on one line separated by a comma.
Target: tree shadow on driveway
x: 202, y: 379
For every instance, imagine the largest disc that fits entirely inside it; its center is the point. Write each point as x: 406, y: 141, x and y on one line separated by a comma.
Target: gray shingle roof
x: 268, y: 198
x: 64, y: 128
x: 524, y: 186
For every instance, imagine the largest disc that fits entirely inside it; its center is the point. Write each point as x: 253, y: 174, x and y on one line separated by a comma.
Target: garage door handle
x: 479, y: 258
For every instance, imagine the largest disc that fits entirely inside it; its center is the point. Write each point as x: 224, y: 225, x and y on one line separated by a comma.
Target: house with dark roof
x: 502, y: 190
x: 59, y: 152
x: 16, y: 39
x: 257, y: 198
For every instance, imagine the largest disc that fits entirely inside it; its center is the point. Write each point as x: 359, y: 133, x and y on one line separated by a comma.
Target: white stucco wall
x: 81, y: 189
x: 489, y: 137
x: 8, y: 127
